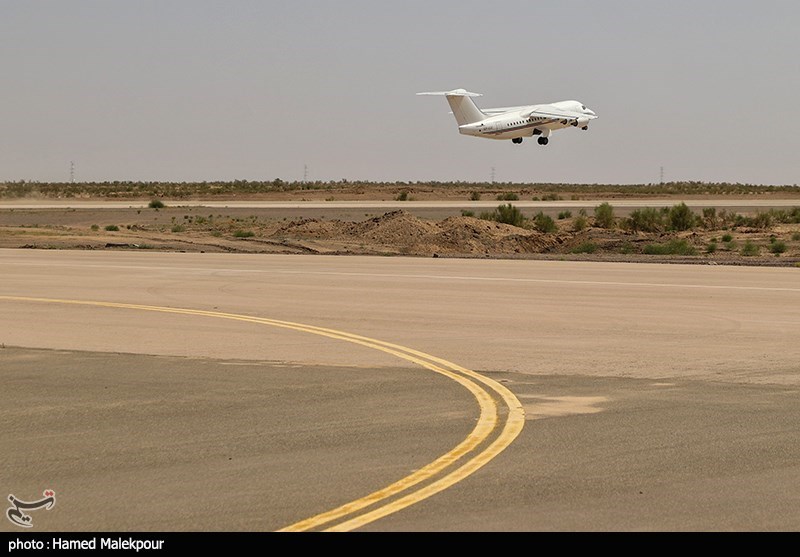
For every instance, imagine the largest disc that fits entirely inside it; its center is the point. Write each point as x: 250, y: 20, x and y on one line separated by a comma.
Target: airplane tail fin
x: 464, y: 109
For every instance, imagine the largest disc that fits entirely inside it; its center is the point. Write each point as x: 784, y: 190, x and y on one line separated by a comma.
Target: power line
x: 71, y: 172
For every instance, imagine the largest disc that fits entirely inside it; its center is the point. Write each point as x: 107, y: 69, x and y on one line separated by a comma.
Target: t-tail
x: 464, y: 109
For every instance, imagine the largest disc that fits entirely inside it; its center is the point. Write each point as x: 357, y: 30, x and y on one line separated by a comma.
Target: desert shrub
x: 95, y: 227
x: 243, y: 234
x: 402, y: 196
x: 465, y: 213
x: 551, y: 197
x: 727, y: 238
x: 583, y: 212
x: 156, y: 204
x: 761, y: 220
x: 580, y: 223
x: 673, y: 247
x: 796, y: 236
x: 626, y: 248
x: 178, y: 228
x: 586, y: 247
x: 645, y: 220
x: 508, y: 196
x: 711, y: 247
x: 749, y: 248
x: 604, y: 215
x: 777, y: 247
x: 564, y: 215
x: 112, y: 227
x: 544, y: 223
x: 681, y: 217
x: 475, y: 196
x: 487, y: 215
x: 508, y: 214
x: 710, y: 218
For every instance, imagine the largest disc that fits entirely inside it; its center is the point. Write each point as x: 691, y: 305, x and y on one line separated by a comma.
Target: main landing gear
x: 543, y: 141
x: 516, y: 140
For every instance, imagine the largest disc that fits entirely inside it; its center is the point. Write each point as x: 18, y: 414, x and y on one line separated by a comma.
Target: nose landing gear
x: 516, y: 140
x: 543, y: 141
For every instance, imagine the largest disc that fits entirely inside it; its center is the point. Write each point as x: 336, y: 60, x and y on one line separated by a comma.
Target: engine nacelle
x: 581, y: 122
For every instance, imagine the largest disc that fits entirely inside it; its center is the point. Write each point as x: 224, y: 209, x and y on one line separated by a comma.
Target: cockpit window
x: 583, y: 106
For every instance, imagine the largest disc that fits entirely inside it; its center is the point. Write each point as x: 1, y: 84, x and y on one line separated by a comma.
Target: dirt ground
x: 397, y: 232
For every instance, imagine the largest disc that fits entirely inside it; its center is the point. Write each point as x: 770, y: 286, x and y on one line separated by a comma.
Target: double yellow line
x: 501, y: 420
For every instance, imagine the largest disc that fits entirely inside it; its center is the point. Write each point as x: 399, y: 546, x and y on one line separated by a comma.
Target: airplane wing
x: 549, y: 114
x: 503, y: 109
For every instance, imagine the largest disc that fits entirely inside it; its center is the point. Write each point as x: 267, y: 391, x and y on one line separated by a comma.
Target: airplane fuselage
x: 518, y: 123
x: 515, y: 122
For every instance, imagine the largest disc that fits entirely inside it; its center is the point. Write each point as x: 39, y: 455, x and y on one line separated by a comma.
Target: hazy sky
x: 196, y: 90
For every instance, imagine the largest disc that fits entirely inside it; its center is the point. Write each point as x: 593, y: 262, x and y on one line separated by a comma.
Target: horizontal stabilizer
x: 453, y: 93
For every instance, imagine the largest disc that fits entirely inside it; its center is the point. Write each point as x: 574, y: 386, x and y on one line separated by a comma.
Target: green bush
x: 564, y: 215
x: 580, y: 223
x: 156, y: 204
x: 475, y: 196
x: 681, y: 217
x: 796, y: 236
x: 178, y: 228
x: 402, y: 196
x: 112, y: 228
x: 95, y: 227
x: 777, y: 247
x: 673, y: 247
x: 604, y: 215
x: 508, y: 214
x: 761, y: 220
x: 243, y: 234
x: 710, y: 217
x: 646, y: 220
x: 508, y: 196
x: 465, y: 213
x: 749, y: 248
x: 711, y: 247
x: 551, y: 197
x: 544, y: 223
x: 727, y: 238
x: 586, y: 247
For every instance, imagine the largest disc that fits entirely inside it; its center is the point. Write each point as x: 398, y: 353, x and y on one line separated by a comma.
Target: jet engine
x: 581, y: 122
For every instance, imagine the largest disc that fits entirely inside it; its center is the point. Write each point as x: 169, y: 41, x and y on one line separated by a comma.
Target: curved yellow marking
x: 486, y: 424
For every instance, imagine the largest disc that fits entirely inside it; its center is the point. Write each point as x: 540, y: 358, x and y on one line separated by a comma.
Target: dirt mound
x: 407, y: 234
x: 396, y: 228
x: 311, y: 228
x: 470, y: 235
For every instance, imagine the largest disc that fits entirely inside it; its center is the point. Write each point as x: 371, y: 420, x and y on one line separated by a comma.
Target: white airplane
x: 514, y: 122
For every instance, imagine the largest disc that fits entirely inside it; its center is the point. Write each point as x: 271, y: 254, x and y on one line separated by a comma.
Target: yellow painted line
x: 486, y: 423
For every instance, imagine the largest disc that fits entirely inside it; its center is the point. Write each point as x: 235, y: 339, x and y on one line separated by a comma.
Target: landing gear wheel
x: 516, y: 140
x: 543, y: 141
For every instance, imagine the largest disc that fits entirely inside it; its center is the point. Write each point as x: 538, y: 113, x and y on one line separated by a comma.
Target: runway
x: 655, y: 396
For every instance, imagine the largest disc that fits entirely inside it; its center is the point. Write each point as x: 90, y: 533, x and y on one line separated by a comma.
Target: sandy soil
x: 350, y: 232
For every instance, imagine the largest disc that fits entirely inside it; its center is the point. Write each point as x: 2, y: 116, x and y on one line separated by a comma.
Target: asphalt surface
x: 657, y: 397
